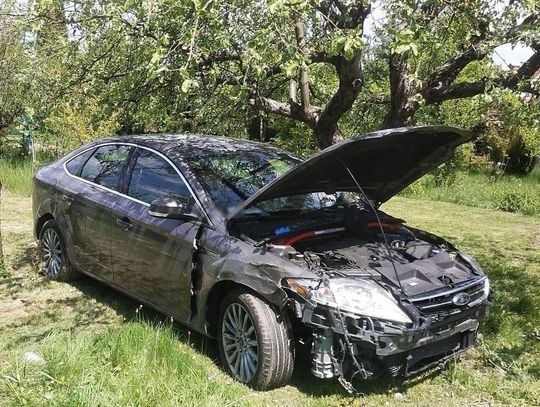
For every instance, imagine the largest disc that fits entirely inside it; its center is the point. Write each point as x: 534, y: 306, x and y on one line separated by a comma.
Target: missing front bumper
x: 401, y: 354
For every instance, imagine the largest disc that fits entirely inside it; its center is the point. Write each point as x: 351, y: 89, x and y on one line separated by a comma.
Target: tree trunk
x: 327, y: 134
x: 401, y: 108
x: 350, y: 84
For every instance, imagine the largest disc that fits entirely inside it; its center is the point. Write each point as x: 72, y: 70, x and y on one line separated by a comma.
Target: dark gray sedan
x: 267, y: 253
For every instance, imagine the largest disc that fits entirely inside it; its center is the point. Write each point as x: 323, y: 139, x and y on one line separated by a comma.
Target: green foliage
x: 15, y: 70
x: 294, y: 137
x: 506, y: 125
x: 71, y: 124
x: 511, y: 135
x: 516, y: 200
x: 168, y: 66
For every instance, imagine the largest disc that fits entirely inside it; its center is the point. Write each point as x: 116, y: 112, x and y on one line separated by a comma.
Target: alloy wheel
x: 51, y: 251
x: 240, y: 343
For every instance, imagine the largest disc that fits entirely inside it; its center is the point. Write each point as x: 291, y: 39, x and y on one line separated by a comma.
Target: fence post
x: 1, y: 247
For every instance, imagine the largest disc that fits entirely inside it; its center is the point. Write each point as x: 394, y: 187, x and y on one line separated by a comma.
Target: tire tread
x: 276, y: 351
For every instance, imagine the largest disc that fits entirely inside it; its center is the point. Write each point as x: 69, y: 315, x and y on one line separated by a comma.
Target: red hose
x: 292, y: 240
x: 390, y: 226
x: 301, y: 236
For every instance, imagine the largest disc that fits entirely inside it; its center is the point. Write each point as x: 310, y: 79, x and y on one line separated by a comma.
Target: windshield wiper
x: 233, y: 188
x: 251, y: 215
x: 332, y: 208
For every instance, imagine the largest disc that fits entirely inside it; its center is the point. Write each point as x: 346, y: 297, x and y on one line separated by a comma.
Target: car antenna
x: 378, y: 222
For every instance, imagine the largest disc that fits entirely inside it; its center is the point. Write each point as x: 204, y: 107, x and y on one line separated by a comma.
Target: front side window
x: 152, y: 177
x: 105, y: 166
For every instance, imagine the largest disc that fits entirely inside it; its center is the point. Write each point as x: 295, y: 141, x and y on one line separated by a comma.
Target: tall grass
x: 16, y: 175
x: 502, y: 192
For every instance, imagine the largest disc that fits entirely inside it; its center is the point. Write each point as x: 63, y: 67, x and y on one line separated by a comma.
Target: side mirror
x: 172, y: 208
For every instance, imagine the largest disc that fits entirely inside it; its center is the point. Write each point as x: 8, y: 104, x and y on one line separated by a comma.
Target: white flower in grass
x: 33, y: 358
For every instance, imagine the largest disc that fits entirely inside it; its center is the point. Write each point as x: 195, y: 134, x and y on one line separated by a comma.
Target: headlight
x: 358, y: 296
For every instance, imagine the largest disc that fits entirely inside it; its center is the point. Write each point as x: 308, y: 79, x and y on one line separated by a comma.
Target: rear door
x: 91, y: 208
x: 68, y: 190
x: 152, y: 258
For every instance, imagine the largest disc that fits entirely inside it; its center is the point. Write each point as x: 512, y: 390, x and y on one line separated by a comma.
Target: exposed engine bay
x: 356, y: 245
x: 419, y: 274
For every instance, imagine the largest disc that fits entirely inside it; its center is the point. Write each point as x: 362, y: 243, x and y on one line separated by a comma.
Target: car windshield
x: 230, y: 177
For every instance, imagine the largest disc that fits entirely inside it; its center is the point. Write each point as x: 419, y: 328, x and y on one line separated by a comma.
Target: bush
x: 521, y: 158
x: 512, y: 200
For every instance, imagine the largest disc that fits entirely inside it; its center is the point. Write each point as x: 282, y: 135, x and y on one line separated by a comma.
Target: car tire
x: 259, y: 351
x: 55, y: 263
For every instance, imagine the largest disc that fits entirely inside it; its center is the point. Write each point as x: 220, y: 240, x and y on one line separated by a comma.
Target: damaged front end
x: 361, y: 330
x: 379, y: 298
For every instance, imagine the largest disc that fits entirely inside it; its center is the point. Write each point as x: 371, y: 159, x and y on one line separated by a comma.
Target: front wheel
x: 54, y: 260
x: 255, y: 343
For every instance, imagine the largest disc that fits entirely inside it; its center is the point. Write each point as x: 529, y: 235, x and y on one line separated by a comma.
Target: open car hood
x: 384, y: 162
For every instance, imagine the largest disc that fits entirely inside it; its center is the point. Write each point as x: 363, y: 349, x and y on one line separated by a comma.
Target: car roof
x: 183, y: 144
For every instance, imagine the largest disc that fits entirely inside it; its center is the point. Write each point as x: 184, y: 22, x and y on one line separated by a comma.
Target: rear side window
x: 153, y: 177
x: 74, y: 165
x: 105, y: 166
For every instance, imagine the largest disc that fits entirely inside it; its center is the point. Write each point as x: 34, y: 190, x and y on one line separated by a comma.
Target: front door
x: 152, y: 257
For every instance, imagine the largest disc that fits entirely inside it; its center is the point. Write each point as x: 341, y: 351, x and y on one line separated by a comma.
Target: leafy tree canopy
x: 271, y: 69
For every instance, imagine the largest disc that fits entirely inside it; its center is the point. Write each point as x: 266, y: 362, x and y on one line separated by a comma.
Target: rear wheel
x: 255, y: 343
x: 54, y: 260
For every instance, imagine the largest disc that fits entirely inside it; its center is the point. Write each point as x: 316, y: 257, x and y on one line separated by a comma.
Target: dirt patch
x: 12, y: 310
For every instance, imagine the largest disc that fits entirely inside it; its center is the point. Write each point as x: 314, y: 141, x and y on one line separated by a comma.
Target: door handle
x: 125, y: 223
x: 67, y: 198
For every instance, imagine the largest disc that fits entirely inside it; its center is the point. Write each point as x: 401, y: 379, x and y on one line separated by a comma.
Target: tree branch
x: 446, y: 74
x: 303, y: 76
x: 290, y: 110
x: 401, y: 108
x: 344, y: 16
x: 350, y: 83
x: 450, y: 69
x: 468, y: 89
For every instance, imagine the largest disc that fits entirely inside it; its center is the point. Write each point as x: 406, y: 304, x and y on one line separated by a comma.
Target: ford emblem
x: 461, y: 299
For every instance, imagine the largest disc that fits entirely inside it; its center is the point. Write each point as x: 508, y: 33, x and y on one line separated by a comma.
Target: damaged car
x: 272, y: 255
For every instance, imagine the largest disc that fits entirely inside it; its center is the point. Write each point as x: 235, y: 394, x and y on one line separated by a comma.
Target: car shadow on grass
x: 131, y: 310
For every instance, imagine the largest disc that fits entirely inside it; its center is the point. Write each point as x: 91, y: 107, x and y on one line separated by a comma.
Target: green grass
x: 16, y: 175
x: 136, y: 364
x: 483, y: 190
x: 99, y: 350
